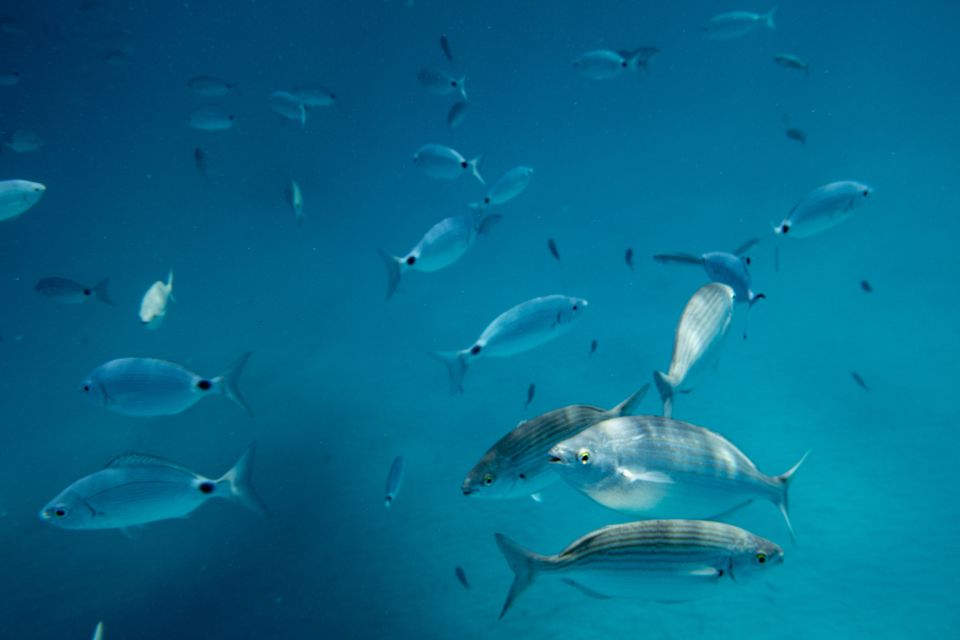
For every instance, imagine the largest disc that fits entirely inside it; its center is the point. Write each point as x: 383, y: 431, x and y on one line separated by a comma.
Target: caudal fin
x: 393, y: 271
x: 101, y: 292
x: 783, y: 503
x: 456, y: 362
x: 228, y: 382
x: 475, y: 169
x: 666, y: 392
x: 768, y: 19
x: 523, y: 563
x: 240, y: 480
x: 628, y: 406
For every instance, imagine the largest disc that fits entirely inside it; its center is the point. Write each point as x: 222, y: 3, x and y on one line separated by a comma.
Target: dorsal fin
x: 134, y: 459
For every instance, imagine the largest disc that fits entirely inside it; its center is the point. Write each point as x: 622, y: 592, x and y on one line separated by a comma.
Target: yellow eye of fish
x: 488, y: 480
x: 584, y: 456
x: 761, y: 558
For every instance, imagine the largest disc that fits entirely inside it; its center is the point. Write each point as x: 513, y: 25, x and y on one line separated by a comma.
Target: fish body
x: 445, y: 47
x: 517, y: 465
x: 146, y: 387
x: 153, y: 307
x: 456, y: 114
x: 98, y: 632
x: 200, y: 160
x: 137, y: 489
x: 552, y: 247
x: 462, y: 577
x: 531, y: 391
x: 797, y: 134
x: 294, y: 198
x: 698, y: 339
x: 654, y: 560
x: 444, y: 163
x: 731, y: 270
x: 638, y: 59
x: 593, y: 347
x: 314, y: 95
x: 67, y: 291
x: 823, y: 208
x: 506, y: 188
x: 520, y: 328
x: 18, y: 196
x: 288, y: 106
x: 790, y: 61
x: 394, y: 481
x: 734, y: 24
x: 210, y: 87
x: 9, y: 78
x: 866, y: 286
x: 628, y: 258
x: 442, y: 83
x: 859, y: 380
x: 601, y: 64
x: 211, y: 118
x: 23, y: 140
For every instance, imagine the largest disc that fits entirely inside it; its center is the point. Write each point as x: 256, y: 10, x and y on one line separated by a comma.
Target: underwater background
x: 690, y: 156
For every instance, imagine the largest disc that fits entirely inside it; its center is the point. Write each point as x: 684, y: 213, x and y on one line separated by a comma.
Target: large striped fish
x: 661, y: 467
x: 517, y: 465
x: 657, y: 560
x: 697, y: 343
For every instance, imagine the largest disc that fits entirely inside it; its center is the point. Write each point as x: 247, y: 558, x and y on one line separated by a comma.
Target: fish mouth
x: 553, y: 459
x: 466, y: 490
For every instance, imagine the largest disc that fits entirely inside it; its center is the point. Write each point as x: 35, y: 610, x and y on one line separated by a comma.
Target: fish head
x: 755, y: 557
x: 579, y: 459
x: 94, y: 392
x: 489, y: 479
x: 864, y: 193
x: 69, y: 510
x: 729, y: 269
x: 571, y: 311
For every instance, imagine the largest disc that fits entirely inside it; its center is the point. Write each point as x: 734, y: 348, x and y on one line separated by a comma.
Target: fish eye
x: 411, y: 260
x: 487, y: 479
x: 453, y: 83
x: 86, y: 387
x: 60, y: 512
x: 761, y: 557
x: 584, y: 456
x: 866, y: 192
x: 464, y: 164
x: 575, y: 307
x: 785, y: 228
x: 747, y: 260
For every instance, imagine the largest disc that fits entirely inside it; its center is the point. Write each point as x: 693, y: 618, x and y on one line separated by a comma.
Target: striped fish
x: 517, y: 465
x: 657, y: 560
x: 699, y: 336
x: 661, y: 467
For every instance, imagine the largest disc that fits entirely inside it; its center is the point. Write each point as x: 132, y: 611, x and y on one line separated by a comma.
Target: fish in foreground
x: 664, y: 468
x: 823, y: 208
x: 211, y: 118
x: 210, y: 87
x: 738, y: 23
x: 441, y: 246
x: 294, y: 198
x: 23, y: 140
x: 444, y: 163
x: 98, y: 632
x: 859, y: 380
x: 698, y: 339
x: 552, y: 246
x: 71, y: 292
x: 146, y: 387
x: 153, y: 307
x: 790, y: 61
x: 18, y: 196
x: 531, y: 391
x: 506, y: 188
x: 601, y: 64
x: 289, y: 106
x: 729, y: 268
x: 628, y: 258
x: 520, y: 328
x: 135, y: 489
x: 656, y: 560
x: 461, y: 576
x: 517, y: 465
x: 456, y: 114
x: 797, y: 134
x: 442, y: 83
x: 394, y: 480
x: 866, y: 286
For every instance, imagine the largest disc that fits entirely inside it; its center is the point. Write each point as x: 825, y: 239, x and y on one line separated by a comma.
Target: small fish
x: 456, y: 114
x: 637, y: 59
x: 628, y: 258
x: 507, y: 187
x: 394, y: 480
x: 738, y: 23
x: 552, y: 246
x: 23, y: 140
x: 211, y: 118
x: 146, y: 387
x: 593, y: 347
x: 531, y: 390
x: 200, y: 160
x: 518, y: 329
x: 288, y: 106
x: 294, y: 198
x: 655, y: 560
x: 71, y: 292
x: 9, y: 78
x: 461, y: 576
x: 98, y: 632
x: 153, y: 307
x: 442, y: 83
x: 601, y: 64
x: 797, y: 134
x: 729, y: 268
x: 790, y: 61
x: 698, y: 339
x: 314, y: 95
x: 823, y: 208
x: 18, y: 196
x: 136, y: 489
x: 210, y: 87
x: 444, y: 163
x: 866, y: 286
x: 859, y: 380
x: 445, y: 45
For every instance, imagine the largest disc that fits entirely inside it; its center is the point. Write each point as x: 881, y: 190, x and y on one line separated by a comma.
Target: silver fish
x: 9, y: 78
x: 210, y: 87
x: 294, y: 198
x: 506, y: 188
x: 23, y: 140
x: 18, y: 196
x: 518, y: 465
x: 520, y: 328
x: 655, y: 560
x: 791, y: 61
x: 738, y: 23
x: 601, y: 64
x: 136, y: 489
x: 444, y: 163
x: 456, y: 114
x: 699, y: 337
x: 289, y: 106
x: 314, y: 95
x: 148, y: 387
x: 394, y: 480
x: 823, y: 208
x: 665, y: 468
x: 442, y: 83
x: 71, y: 292
x: 211, y: 118
x: 153, y: 306
x: 729, y: 268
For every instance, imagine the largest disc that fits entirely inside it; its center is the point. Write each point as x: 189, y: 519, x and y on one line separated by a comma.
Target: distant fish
x: 507, y: 187
x: 18, y: 196
x: 738, y: 23
x: 462, y: 577
x: 314, y: 95
x: 71, y: 292
x: 200, y: 160
x: 288, y: 106
x: 601, y: 64
x: 153, y: 307
x: 593, y: 347
x: 210, y: 87
x: 445, y: 45
x: 637, y: 59
x: 23, y: 140
x: 797, y: 134
x: 552, y: 246
x: 116, y: 57
x: 859, y: 380
x: 444, y: 163
x: 698, y: 339
x: 628, y: 258
x: 211, y: 118
x: 294, y: 198
x: 790, y: 61
x: 146, y: 387
x: 456, y: 114
x: 98, y: 632
x: 531, y: 391
x: 866, y: 286
x: 823, y: 208
x: 442, y: 83
x: 518, y: 329
x: 729, y: 268
x: 394, y: 480
x: 9, y: 78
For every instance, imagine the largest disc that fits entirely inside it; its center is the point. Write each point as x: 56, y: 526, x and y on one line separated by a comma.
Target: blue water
x: 691, y: 157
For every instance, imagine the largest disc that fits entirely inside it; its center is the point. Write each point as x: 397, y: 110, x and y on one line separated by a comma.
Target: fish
x: 146, y: 387
x: 859, y: 380
x: 210, y: 87
x: 294, y: 198
x: 593, y: 347
x: 98, y: 632
x: 200, y: 160
x: 23, y: 140
x: 518, y: 329
x: 444, y: 163
x: 507, y: 187
x: 441, y: 246
x: 461, y: 576
x: 445, y: 46
x: 314, y: 95
x: 552, y: 246
x: 665, y: 468
x: 137, y: 489
x: 797, y: 134
x: 655, y: 560
x: 153, y: 307
x: 211, y: 118
x: 823, y: 208
x: 288, y: 106
x: 456, y: 114
x: 729, y: 268
x: 738, y: 23
x: 70, y: 292
x: 19, y: 196
x: 790, y: 61
x: 698, y: 339
x: 866, y: 286
x: 441, y: 83
x: 9, y: 78
x: 637, y: 59
x: 628, y: 258
x: 394, y: 480
x: 517, y: 465
x: 601, y: 64
x: 531, y: 390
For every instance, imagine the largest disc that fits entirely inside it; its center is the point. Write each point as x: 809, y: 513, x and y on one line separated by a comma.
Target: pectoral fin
x: 707, y: 572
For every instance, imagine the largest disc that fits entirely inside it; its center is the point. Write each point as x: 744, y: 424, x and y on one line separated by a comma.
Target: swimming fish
x: 791, y: 61
x: 23, y: 140
x: 517, y: 465
x: 441, y: 246
x: 655, y: 560
x: 98, y: 632
x: 442, y: 83
x: 461, y: 576
x: 866, y: 286
x: 552, y: 246
x: 210, y: 87
x: 18, y: 196
x: 136, y: 489
x: 859, y: 380
x: 200, y: 160
x: 507, y: 187
x: 824, y: 207
x: 444, y: 163
x: 637, y: 59
x: 294, y: 198
x: 664, y: 468
x: 288, y: 106
x: 729, y: 268
x: 394, y: 480
x: 697, y: 343
x: 456, y: 114
x: 628, y: 258
x: 601, y: 64
x: 147, y: 387
x: 593, y: 347
x: 445, y: 45
x: 738, y: 23
x: 71, y: 292
x: 797, y: 134
x: 531, y: 390
x: 314, y: 95
x: 211, y: 118
x: 9, y: 78
x: 520, y: 328
x: 153, y: 307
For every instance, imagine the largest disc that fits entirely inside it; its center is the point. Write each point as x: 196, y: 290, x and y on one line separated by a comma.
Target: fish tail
x: 101, y: 291
x: 475, y: 169
x: 628, y: 406
x: 240, y: 480
x: 522, y: 562
x: 665, y: 387
x: 783, y: 501
x: 456, y: 362
x: 488, y: 222
x: 768, y: 19
x: 394, y: 270
x: 229, y: 383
